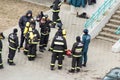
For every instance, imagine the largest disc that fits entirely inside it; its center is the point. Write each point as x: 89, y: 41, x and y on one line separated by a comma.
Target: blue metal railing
x: 101, y: 10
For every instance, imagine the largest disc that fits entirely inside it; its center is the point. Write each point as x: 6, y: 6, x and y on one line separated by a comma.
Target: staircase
x: 108, y: 32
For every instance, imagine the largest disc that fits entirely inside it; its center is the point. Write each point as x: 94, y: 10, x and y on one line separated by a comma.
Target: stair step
x: 107, y: 34
x: 110, y: 25
x: 117, y: 22
x: 117, y: 17
x: 106, y: 39
x: 118, y: 12
x: 119, y: 8
x: 107, y: 29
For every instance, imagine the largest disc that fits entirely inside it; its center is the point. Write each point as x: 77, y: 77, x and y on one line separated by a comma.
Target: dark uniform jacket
x: 59, y: 44
x: 77, y: 49
x: 45, y: 28
x: 13, y: 41
x: 24, y: 19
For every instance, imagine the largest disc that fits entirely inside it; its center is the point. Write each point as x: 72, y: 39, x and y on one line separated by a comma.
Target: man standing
x: 86, y: 40
x: 45, y: 31
x: 56, y: 9
x: 22, y: 24
x: 33, y: 38
x: 58, y: 47
x: 26, y: 30
x: 1, y: 37
x: 13, y: 45
x: 76, y: 55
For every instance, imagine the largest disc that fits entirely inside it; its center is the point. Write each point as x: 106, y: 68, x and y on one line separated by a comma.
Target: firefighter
x: 22, y: 24
x: 86, y: 40
x: 32, y: 22
x: 58, y: 47
x: 56, y: 9
x: 13, y: 45
x: 1, y: 46
x: 33, y: 40
x: 45, y: 31
x: 59, y: 25
x: 76, y: 55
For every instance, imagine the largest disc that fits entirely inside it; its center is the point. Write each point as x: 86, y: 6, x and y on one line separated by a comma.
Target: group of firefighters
x: 31, y: 36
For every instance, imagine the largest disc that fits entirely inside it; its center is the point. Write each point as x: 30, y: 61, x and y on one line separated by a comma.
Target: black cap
x: 15, y: 30
x: 85, y: 31
x: 78, y: 39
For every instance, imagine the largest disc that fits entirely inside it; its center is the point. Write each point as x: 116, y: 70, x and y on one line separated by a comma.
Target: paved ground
x: 100, y: 57
x: 11, y: 10
x: 42, y: 2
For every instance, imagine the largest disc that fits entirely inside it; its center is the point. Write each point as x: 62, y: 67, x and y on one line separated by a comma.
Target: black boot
x: 71, y: 71
x: 41, y: 50
x: 25, y: 53
x: 59, y: 67
x: 84, y: 65
x: 1, y: 67
x: 52, y: 68
x: 30, y: 58
x: 12, y: 63
x: 77, y: 70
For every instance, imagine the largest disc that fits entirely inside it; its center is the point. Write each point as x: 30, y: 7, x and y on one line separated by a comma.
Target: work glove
x: 50, y: 50
x: 51, y: 6
x: 1, y: 34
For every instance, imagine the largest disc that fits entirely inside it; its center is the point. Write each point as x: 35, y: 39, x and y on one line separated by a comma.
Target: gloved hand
x: 50, y: 50
x: 51, y: 6
x: 1, y: 34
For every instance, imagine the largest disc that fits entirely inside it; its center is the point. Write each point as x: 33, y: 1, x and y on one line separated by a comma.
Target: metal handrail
x: 101, y: 11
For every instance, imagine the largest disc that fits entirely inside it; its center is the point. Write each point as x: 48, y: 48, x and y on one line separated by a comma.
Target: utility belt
x: 76, y: 55
x: 45, y: 33
x: 33, y: 42
x: 59, y: 51
x: 56, y: 11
